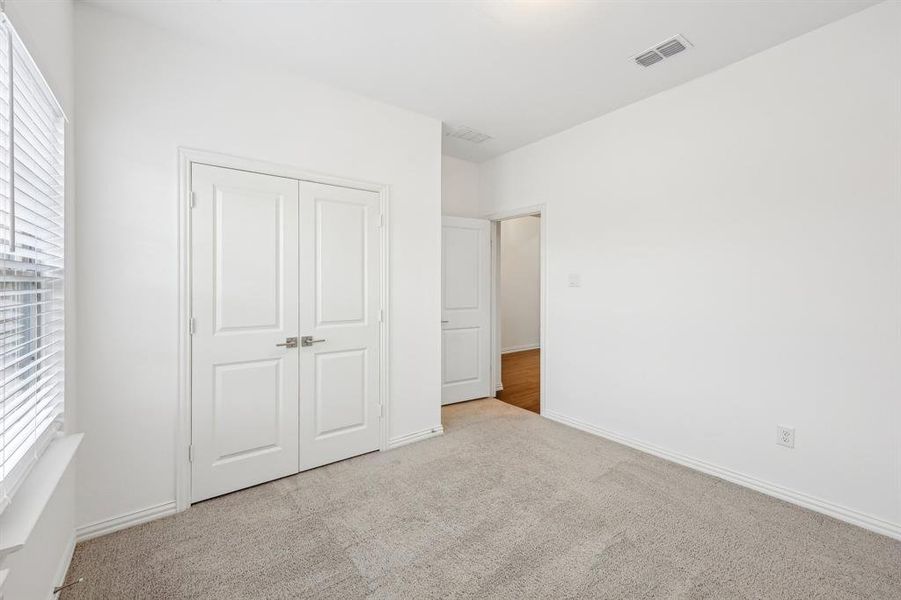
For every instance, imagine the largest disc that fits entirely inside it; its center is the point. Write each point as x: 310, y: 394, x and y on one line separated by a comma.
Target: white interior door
x: 245, y: 303
x: 465, y: 309
x: 340, y: 312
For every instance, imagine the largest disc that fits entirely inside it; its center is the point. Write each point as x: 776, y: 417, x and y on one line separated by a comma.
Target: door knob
x: 308, y: 340
x: 290, y: 342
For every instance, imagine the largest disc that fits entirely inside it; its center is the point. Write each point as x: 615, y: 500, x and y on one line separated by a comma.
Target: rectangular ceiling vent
x: 462, y: 132
x: 666, y: 49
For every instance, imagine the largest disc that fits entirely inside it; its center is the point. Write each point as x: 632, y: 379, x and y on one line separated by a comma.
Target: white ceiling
x: 518, y: 71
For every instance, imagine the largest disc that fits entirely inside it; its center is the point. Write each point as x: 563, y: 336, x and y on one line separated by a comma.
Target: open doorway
x: 478, y: 359
x: 517, y: 310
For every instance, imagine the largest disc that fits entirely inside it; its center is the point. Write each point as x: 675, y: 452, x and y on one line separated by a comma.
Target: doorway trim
x: 187, y: 157
x: 527, y: 211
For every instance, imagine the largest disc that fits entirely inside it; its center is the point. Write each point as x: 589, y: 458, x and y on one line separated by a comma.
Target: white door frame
x: 188, y: 157
x: 496, y: 218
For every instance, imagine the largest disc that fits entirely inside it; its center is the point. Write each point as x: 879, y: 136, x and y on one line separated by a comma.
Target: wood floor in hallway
x: 521, y: 377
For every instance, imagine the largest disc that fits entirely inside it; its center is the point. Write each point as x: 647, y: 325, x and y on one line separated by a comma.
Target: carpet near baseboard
x: 505, y: 505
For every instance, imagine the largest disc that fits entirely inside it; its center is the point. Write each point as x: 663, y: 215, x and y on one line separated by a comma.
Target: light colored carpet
x: 505, y: 505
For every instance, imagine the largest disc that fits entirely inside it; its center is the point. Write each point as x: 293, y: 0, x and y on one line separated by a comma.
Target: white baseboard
x: 500, y: 387
x: 522, y: 348
x: 59, y: 577
x: 87, y: 532
x: 416, y: 436
x: 842, y: 513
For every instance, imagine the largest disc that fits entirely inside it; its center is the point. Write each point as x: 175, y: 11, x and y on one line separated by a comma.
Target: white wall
x: 47, y: 30
x: 520, y: 289
x: 459, y: 187
x: 141, y: 95
x: 738, y: 242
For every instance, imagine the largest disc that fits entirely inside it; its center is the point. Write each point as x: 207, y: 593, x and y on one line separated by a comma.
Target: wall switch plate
x: 785, y: 436
x: 575, y: 280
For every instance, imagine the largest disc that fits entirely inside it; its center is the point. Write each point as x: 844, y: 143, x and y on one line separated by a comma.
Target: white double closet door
x: 276, y: 260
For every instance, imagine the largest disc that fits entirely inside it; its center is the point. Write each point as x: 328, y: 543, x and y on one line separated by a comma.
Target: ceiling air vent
x: 462, y: 132
x: 666, y: 49
x: 648, y: 58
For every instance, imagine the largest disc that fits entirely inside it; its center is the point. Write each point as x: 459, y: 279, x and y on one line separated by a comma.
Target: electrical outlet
x: 785, y: 436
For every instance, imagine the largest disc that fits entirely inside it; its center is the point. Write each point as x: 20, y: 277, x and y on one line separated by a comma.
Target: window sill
x: 22, y: 514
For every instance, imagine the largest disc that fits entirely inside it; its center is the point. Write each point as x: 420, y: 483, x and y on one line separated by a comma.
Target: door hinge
x: 381, y: 220
x: 381, y: 411
x: 192, y: 326
x: 193, y: 200
x: 191, y: 453
x: 381, y: 315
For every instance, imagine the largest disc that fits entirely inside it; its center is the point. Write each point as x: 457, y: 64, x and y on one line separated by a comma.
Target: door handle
x: 290, y: 342
x: 443, y: 322
x: 308, y: 340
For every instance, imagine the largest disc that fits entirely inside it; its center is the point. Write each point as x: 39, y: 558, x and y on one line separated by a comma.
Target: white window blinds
x: 32, y: 167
